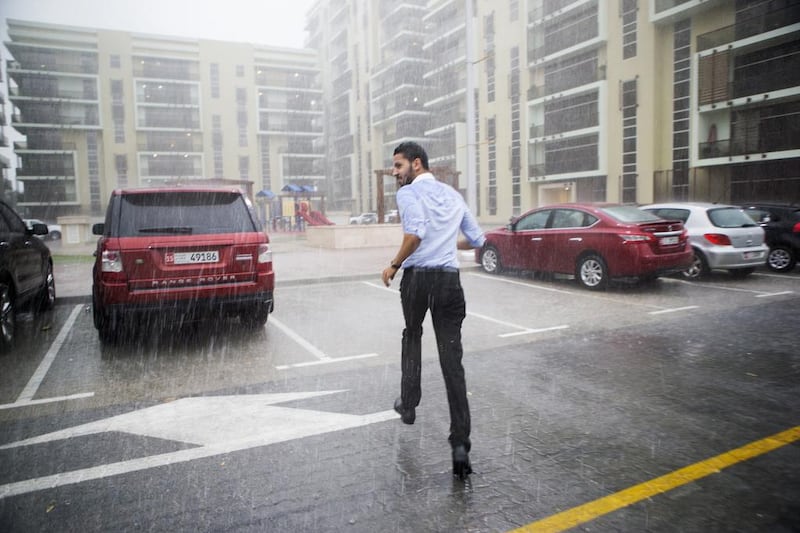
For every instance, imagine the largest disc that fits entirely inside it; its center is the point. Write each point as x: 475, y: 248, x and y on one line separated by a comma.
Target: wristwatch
x: 396, y: 266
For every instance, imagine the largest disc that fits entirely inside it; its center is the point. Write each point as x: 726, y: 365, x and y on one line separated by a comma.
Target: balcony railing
x: 33, y: 143
x: 54, y: 93
x: 47, y: 170
x: 753, y: 144
x: 665, y: 5
x: 749, y: 27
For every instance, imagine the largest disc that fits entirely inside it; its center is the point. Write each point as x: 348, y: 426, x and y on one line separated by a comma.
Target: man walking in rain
x: 432, y: 214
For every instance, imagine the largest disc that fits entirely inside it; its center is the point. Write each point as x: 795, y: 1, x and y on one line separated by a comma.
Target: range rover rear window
x: 183, y: 213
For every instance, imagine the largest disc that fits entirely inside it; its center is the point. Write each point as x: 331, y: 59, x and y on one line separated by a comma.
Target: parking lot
x: 576, y: 396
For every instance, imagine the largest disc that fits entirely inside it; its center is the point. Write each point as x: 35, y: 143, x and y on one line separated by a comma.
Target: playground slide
x: 315, y: 218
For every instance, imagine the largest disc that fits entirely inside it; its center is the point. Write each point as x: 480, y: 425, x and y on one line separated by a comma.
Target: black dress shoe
x: 408, y: 415
x: 461, y: 466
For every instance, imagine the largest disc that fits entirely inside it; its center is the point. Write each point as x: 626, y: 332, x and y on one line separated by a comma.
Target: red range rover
x: 183, y: 251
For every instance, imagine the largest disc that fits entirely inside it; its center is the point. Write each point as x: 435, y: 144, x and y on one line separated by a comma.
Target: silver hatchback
x: 722, y: 237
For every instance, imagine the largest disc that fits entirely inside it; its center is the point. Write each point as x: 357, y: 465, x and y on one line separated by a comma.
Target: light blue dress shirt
x: 436, y: 213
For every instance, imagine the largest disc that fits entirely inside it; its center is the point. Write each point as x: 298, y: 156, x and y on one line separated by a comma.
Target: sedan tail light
x: 796, y: 228
x: 718, y: 238
x: 637, y: 237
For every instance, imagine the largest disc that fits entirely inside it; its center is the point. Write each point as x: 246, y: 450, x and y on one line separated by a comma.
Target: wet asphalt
x: 559, y: 421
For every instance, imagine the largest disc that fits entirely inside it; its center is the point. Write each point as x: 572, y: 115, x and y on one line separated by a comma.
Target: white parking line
x: 26, y: 396
x: 523, y: 329
x: 527, y: 331
x: 674, y: 310
x: 322, y: 358
x: 768, y: 294
x: 313, y: 350
x: 529, y: 285
x: 327, y: 361
x: 759, y: 294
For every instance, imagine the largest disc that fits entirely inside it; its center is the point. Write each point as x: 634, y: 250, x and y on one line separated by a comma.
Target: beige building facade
x: 106, y: 109
x: 520, y: 102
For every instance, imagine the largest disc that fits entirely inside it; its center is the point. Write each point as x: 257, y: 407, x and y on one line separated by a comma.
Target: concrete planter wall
x: 354, y: 236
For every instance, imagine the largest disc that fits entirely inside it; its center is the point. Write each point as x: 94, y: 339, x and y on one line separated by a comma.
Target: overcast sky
x: 270, y: 22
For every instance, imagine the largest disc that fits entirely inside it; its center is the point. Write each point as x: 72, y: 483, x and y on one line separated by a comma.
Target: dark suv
x: 180, y: 252
x: 26, y: 272
x: 781, y: 225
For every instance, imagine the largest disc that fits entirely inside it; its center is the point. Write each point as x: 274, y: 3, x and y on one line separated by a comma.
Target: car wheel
x: 47, y: 294
x: 781, y: 259
x: 699, y: 267
x: 255, y: 317
x: 592, y: 272
x: 490, y: 260
x: 8, y: 317
x: 107, y: 324
x: 54, y: 235
x: 741, y: 272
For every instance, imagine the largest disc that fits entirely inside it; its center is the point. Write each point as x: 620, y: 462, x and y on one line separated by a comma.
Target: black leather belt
x: 430, y: 269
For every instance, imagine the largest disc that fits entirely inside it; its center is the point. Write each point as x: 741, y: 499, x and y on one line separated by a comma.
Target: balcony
x: 755, y: 78
x: 749, y: 27
x: 51, y: 63
x: 54, y: 92
x: 35, y: 143
x: 166, y: 69
x: 753, y: 143
x: 43, y: 168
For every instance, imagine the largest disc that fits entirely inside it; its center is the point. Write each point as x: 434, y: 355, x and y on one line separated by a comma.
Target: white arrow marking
x: 218, y: 425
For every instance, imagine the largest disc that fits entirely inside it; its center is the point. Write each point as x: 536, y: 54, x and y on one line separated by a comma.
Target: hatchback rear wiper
x: 168, y: 229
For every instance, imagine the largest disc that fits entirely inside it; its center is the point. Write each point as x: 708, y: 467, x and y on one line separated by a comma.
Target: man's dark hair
x: 411, y: 151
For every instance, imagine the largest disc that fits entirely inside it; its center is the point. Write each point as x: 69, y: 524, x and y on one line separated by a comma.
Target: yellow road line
x: 589, y: 511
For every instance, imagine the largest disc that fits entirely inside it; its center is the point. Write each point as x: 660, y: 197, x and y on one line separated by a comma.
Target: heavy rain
x: 215, y: 239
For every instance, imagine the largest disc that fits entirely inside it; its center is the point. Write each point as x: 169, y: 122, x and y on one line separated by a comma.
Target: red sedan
x: 593, y: 242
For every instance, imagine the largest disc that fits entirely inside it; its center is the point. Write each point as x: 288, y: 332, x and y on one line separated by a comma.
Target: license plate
x: 190, y: 258
x: 666, y: 241
x: 753, y: 255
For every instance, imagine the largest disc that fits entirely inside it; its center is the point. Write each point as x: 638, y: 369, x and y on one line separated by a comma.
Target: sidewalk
x: 294, y: 261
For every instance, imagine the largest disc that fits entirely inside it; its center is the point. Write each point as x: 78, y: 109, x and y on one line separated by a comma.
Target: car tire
x: 741, y: 272
x: 490, y: 260
x: 255, y: 317
x: 592, y: 272
x: 54, y: 235
x: 781, y: 259
x: 47, y: 294
x: 699, y: 267
x: 107, y: 324
x: 8, y: 318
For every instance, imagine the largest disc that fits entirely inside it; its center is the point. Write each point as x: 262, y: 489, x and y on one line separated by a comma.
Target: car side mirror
x: 39, y: 229
x: 99, y: 228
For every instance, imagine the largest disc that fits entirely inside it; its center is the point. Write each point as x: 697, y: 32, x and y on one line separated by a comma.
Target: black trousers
x: 440, y: 291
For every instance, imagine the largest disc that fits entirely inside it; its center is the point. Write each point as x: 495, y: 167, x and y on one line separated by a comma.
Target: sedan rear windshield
x: 184, y: 213
x: 628, y: 214
x: 730, y: 217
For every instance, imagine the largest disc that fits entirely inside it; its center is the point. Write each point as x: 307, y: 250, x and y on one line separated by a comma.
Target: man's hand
x: 388, y: 275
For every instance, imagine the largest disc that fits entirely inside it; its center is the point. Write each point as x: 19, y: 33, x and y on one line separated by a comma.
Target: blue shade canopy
x: 264, y: 193
x: 291, y: 187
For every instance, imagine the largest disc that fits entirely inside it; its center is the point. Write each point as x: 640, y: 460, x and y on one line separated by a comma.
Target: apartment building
x: 628, y: 101
x: 6, y: 188
x: 102, y: 109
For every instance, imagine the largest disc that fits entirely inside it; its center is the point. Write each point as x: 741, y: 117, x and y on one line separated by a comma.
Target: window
x: 569, y: 218
x: 114, y: 61
x: 214, y: 81
x: 628, y: 11
x: 537, y: 220
x: 629, y: 141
